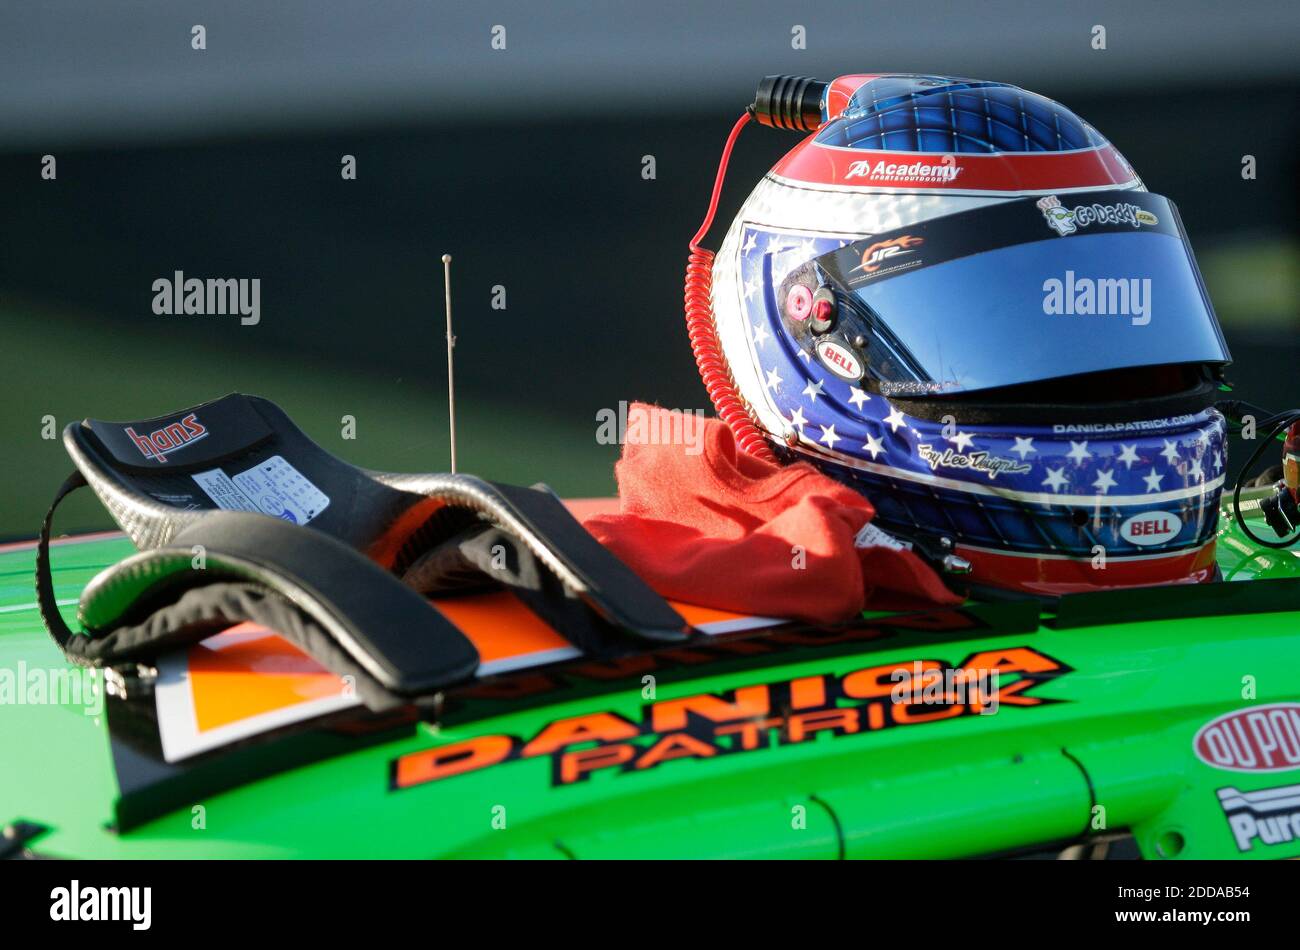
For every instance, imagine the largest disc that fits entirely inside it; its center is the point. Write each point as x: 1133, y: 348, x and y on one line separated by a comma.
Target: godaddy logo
x: 1065, y: 221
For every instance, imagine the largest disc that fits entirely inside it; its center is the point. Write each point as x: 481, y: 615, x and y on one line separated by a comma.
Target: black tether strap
x: 61, y: 633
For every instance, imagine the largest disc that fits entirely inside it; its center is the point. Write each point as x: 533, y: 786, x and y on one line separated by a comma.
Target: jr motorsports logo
x: 884, y: 252
x: 1270, y: 816
x: 1066, y: 221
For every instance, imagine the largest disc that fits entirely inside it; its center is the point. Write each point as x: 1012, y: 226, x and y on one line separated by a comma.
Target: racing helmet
x: 958, y: 297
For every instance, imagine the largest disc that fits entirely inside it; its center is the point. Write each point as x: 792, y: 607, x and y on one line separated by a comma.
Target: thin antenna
x: 451, y: 345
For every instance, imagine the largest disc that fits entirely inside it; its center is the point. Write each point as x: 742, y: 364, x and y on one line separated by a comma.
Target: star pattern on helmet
x: 962, y: 440
x: 1050, y: 467
x: 895, y: 419
x: 1056, y: 479
x: 775, y: 243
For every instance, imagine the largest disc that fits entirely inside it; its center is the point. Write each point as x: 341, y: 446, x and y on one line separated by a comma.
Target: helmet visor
x: 1022, y: 292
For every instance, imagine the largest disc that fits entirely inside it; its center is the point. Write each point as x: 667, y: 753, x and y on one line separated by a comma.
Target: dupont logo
x: 1256, y: 739
x: 1268, y: 817
x: 155, y: 445
x: 1151, y: 527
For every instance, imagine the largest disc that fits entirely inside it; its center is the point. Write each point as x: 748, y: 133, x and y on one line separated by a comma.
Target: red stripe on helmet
x: 812, y: 162
x: 1056, y: 576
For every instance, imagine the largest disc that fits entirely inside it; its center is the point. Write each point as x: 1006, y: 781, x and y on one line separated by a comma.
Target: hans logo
x: 882, y: 251
x: 839, y: 360
x: 169, y: 438
x: 1151, y: 528
x: 1255, y: 739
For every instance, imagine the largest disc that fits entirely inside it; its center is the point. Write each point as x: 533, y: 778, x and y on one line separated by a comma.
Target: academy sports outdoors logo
x: 884, y: 170
x: 1065, y: 221
x: 1268, y: 817
x: 169, y: 438
x: 876, y: 255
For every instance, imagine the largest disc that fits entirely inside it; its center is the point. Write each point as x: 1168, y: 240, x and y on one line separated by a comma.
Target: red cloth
x: 723, y: 529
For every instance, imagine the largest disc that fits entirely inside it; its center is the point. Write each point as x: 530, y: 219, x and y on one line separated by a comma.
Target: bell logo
x: 1150, y: 528
x: 839, y: 360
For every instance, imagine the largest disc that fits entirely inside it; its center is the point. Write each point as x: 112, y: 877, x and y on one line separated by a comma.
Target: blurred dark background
x: 526, y: 165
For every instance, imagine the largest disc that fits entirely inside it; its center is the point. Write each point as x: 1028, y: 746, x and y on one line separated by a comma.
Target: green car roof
x: 1160, y: 714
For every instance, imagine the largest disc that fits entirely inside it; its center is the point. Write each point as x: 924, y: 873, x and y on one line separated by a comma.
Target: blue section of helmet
x: 1027, y: 489
x: 938, y: 114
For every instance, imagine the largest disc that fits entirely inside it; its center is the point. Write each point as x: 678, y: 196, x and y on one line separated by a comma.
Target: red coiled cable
x: 703, y: 332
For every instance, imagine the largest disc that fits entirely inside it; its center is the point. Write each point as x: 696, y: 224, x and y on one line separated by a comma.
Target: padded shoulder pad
x: 546, y: 527
x: 379, y: 623
x: 161, y: 477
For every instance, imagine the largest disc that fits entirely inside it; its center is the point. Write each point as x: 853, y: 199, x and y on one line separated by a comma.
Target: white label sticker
x: 273, y: 487
x: 872, y: 537
x: 222, y: 490
x: 279, y: 489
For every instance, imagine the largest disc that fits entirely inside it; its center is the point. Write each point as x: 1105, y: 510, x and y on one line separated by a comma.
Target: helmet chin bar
x: 1029, y: 405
